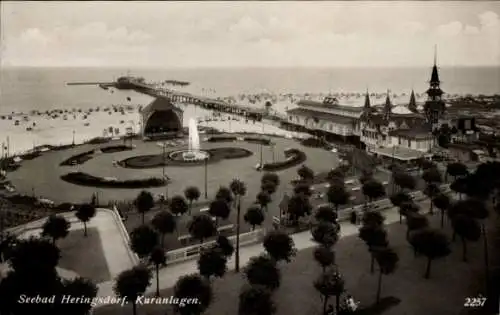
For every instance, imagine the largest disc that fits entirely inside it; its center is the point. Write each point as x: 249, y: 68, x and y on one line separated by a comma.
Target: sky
x: 250, y: 34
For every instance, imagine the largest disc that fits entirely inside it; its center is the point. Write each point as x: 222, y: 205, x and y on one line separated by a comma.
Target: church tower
x: 387, y: 111
x: 434, y: 107
x: 412, y: 106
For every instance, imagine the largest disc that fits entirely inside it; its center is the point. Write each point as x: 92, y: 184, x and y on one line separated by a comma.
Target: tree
x: 82, y: 288
x: 262, y: 270
x: 256, y: 300
x: 164, y: 222
x: 270, y: 177
x: 336, y: 176
x: 239, y: 189
x: 372, y: 218
x: 366, y: 176
x: 212, y: 262
x: 219, y: 209
x: 132, y: 283
x: 33, y: 262
x: 158, y: 258
x: 84, y: 213
x: 443, y: 203
x: 224, y: 245
x: 467, y: 229
x: 192, y: 193
x: 263, y: 199
x: 337, y: 195
x: 178, y: 205
x: 202, y: 227
x: 143, y: 240
x: 302, y: 189
x: 375, y: 237
x: 387, y: 261
x: 324, y: 256
x: 431, y: 191
x: 415, y: 221
x: 144, y: 203
x: 407, y: 208
x: 196, y: 288
x: 404, y: 181
x: 225, y: 194
x: 305, y: 173
x: 330, y: 284
x: 325, y: 233
x: 456, y: 169
x: 298, y: 207
x: 254, y: 216
x: 268, y: 187
x: 398, y: 199
x: 55, y: 227
x: 432, y: 244
x: 279, y: 246
x: 326, y: 213
x: 373, y: 189
x: 459, y: 186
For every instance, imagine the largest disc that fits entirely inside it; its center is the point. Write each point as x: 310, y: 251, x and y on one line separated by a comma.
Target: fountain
x: 194, y: 153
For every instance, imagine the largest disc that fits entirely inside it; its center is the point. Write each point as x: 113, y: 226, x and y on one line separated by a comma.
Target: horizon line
x: 246, y: 67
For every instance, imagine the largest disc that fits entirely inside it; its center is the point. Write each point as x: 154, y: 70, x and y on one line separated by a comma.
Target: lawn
x: 84, y: 255
x: 443, y: 294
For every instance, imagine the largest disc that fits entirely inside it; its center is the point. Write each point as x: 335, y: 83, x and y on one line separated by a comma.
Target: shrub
x: 84, y: 179
x: 294, y: 157
x: 222, y: 139
x: 262, y: 141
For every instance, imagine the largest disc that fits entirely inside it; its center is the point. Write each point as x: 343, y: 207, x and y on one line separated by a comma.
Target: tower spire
x: 367, y: 100
x: 412, y: 106
x: 435, y: 54
x: 387, y: 106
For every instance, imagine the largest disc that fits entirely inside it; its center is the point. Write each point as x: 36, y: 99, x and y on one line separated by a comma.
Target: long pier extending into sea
x: 131, y: 83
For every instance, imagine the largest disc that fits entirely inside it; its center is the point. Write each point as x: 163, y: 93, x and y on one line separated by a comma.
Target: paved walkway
x: 170, y: 274
x: 113, y: 237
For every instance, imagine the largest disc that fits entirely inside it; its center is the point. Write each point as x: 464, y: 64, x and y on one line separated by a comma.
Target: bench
x: 350, y: 182
x: 356, y: 188
x: 184, y: 239
x: 225, y: 229
x: 193, y: 251
x: 204, y: 209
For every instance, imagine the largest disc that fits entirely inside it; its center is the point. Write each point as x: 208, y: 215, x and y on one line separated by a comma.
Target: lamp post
x: 206, y: 177
x: 163, y: 169
x: 73, y: 143
x: 261, y: 153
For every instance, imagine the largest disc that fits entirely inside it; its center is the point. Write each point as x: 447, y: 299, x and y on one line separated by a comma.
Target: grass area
x: 84, y: 255
x: 444, y: 293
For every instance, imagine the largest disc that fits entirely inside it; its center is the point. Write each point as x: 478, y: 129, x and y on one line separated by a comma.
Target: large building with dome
x: 401, y: 132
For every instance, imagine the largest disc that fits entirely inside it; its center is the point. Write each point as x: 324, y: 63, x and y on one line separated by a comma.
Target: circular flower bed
x: 172, y: 159
x: 84, y: 179
x: 294, y: 157
x: 88, y: 155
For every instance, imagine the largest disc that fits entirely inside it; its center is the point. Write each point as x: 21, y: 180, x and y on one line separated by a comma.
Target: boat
x: 102, y: 86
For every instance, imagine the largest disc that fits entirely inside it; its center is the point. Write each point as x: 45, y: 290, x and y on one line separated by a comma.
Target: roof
x: 322, y: 115
x: 414, y: 133
x: 159, y: 104
x: 399, y: 153
x: 329, y: 106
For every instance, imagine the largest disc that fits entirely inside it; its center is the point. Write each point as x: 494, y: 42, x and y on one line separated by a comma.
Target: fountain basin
x: 189, y: 155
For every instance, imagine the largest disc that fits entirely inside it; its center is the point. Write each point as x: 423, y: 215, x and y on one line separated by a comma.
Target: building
x: 161, y: 118
x: 328, y: 119
x: 406, y: 136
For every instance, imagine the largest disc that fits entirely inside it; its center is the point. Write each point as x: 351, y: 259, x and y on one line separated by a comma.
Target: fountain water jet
x: 193, y: 153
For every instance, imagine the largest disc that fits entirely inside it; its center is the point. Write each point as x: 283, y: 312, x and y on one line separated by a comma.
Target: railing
x: 192, y: 252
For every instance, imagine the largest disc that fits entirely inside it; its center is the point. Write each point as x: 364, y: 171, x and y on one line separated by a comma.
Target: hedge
x: 85, y: 156
x: 262, y: 141
x: 222, y: 139
x: 294, y: 157
x: 84, y: 179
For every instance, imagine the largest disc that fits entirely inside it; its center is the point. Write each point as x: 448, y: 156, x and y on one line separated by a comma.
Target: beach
x: 50, y: 112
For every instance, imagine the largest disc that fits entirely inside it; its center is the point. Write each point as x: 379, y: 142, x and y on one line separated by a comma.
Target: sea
x: 25, y: 89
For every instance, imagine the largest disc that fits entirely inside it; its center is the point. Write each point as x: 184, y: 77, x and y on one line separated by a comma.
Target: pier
x: 131, y: 83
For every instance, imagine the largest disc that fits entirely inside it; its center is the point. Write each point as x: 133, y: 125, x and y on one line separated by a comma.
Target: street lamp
x: 206, y: 177
x: 163, y: 169
x: 262, y: 139
x: 73, y: 143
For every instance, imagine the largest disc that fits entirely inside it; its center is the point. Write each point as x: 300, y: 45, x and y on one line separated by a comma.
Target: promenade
x: 169, y: 274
